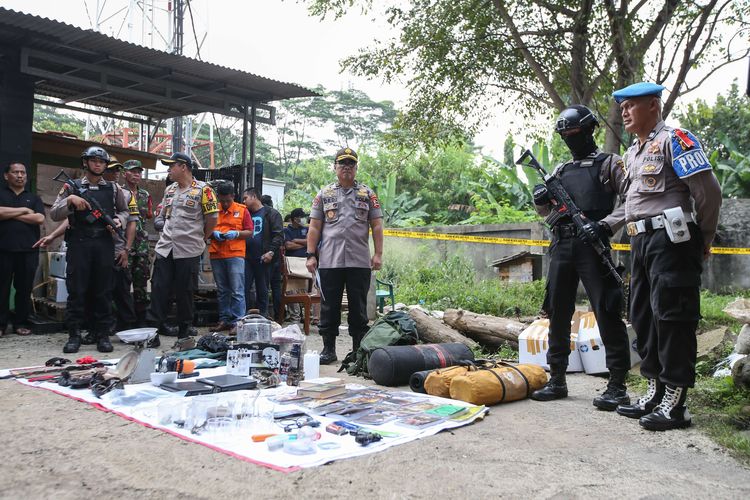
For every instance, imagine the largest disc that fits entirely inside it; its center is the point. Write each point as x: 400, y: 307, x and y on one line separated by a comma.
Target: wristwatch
x: 308, y: 255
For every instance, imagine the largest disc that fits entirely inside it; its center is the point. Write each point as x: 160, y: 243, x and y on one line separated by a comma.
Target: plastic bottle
x: 312, y: 365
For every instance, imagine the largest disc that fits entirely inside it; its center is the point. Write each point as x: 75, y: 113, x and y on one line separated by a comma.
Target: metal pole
x: 244, y: 176
x: 253, y: 132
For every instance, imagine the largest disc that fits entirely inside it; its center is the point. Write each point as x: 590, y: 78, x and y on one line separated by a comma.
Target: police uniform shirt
x: 346, y: 214
x: 133, y: 215
x: 654, y: 184
x: 60, y: 210
x: 184, y: 213
x: 15, y: 235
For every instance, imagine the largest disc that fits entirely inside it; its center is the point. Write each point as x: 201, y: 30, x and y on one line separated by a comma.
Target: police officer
x: 593, y: 180
x: 121, y: 294
x: 187, y: 219
x: 138, y: 258
x: 672, y: 210
x: 342, y: 215
x: 90, y: 246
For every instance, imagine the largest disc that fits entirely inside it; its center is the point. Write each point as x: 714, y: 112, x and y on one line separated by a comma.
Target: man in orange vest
x: 227, y: 253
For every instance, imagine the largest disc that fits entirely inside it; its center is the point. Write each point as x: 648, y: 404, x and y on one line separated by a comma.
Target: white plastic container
x: 312, y: 365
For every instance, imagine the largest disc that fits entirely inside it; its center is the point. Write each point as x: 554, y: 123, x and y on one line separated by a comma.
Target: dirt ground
x: 55, y: 446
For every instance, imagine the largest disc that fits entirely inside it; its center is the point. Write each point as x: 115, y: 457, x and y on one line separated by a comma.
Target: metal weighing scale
x: 136, y: 366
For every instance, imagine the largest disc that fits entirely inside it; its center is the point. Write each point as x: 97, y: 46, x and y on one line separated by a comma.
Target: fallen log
x: 490, y: 331
x: 434, y: 331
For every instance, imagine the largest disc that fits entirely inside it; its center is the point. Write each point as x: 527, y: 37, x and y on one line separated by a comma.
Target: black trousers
x: 572, y: 259
x: 665, y: 304
x: 274, y: 277
x: 357, y: 283
x: 123, y: 297
x: 19, y: 269
x: 89, y: 272
x: 178, y: 277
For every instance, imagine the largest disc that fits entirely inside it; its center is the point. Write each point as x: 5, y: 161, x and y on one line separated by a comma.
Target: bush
x: 451, y: 283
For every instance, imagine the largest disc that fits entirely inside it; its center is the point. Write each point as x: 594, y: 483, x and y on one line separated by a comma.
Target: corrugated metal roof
x: 86, y: 66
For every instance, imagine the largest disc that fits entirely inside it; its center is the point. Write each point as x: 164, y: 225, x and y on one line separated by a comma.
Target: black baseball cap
x: 298, y: 212
x: 178, y: 157
x: 346, y: 154
x: 113, y: 163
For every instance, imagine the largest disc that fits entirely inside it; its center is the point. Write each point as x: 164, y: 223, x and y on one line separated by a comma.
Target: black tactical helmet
x: 95, y: 152
x: 576, y: 116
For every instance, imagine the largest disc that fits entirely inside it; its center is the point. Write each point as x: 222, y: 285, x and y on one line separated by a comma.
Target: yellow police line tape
x: 494, y: 240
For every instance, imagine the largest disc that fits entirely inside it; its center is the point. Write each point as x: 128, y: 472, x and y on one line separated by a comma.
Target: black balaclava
x: 580, y: 144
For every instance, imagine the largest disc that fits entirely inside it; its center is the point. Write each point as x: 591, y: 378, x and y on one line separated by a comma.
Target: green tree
x: 47, y: 118
x: 462, y: 57
x: 722, y: 126
x: 304, y: 125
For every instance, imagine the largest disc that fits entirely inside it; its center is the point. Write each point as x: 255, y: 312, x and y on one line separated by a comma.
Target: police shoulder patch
x: 688, y: 157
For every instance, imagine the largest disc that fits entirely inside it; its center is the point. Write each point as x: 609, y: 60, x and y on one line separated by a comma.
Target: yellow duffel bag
x: 438, y: 382
x: 501, y: 384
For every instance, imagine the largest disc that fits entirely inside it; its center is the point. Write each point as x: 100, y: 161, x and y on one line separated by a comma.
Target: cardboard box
x: 57, y: 264
x: 591, y: 347
x: 533, y: 344
x: 56, y: 290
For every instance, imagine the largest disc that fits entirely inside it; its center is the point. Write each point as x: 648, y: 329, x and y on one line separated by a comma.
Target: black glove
x: 541, y: 195
x: 595, y: 230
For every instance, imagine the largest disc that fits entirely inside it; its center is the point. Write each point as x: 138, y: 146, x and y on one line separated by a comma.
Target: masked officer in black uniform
x: 91, y: 250
x: 593, y: 179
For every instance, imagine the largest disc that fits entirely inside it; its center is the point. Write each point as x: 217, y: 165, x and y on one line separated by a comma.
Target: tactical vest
x: 581, y: 181
x: 81, y: 227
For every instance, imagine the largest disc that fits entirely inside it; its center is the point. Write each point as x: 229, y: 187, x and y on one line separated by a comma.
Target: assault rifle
x: 96, y: 213
x: 563, y: 205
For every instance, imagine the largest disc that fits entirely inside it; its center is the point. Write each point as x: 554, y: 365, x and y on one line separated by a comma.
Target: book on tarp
x: 321, y: 381
x: 321, y: 391
x: 419, y: 421
x: 447, y: 411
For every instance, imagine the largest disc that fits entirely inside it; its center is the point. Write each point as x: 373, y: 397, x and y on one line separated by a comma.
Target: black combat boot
x: 556, y: 388
x: 356, y: 341
x: 103, y: 344
x: 90, y: 338
x: 74, y: 341
x: 185, y: 331
x: 328, y: 355
x: 169, y: 331
x: 615, y: 394
x: 154, y: 342
x: 671, y: 413
x: 646, y: 403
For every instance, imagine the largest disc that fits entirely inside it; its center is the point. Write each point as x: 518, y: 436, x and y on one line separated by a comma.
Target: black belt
x: 563, y: 231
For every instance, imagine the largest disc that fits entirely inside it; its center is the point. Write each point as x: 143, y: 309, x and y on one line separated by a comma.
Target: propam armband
x: 688, y: 157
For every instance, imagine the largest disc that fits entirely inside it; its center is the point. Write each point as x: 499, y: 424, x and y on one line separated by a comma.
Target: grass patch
x: 712, y: 310
x: 717, y: 407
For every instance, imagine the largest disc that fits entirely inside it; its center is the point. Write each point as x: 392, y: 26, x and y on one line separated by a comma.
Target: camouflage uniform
x: 138, y: 260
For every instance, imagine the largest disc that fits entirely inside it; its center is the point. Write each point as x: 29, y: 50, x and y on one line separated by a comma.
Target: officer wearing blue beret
x: 671, y: 212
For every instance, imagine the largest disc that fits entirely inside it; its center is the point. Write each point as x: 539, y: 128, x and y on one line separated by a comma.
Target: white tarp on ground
x: 140, y: 402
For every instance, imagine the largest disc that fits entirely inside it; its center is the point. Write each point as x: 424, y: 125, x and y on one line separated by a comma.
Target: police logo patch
x: 316, y: 202
x: 650, y: 181
x: 374, y: 200
x: 331, y: 214
x: 653, y: 147
x: 190, y: 203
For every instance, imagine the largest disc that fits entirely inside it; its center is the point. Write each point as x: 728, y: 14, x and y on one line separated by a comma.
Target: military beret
x: 638, y: 90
